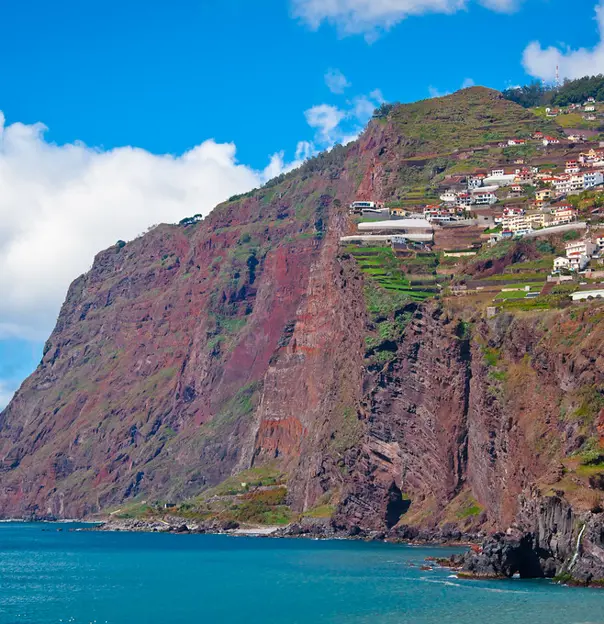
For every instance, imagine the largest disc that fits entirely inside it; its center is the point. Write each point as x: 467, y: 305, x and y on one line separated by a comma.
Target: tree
x: 190, y: 220
x: 534, y: 94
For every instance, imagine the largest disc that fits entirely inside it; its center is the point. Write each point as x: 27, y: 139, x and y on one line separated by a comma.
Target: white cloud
x: 305, y: 150
x: 365, y: 105
x: 434, y: 92
x: 61, y: 204
x: 335, y: 124
x: 541, y: 62
x: 325, y: 119
x: 468, y: 82
x: 369, y: 17
x: 336, y: 81
x: 500, y: 6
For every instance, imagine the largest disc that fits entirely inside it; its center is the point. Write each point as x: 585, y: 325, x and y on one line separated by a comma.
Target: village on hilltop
x: 535, y: 196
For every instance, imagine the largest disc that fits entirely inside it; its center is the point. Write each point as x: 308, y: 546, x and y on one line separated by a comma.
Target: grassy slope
x: 468, y: 118
x: 430, y: 136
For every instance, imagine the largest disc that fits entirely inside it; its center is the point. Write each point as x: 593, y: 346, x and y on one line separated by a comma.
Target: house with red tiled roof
x: 562, y: 212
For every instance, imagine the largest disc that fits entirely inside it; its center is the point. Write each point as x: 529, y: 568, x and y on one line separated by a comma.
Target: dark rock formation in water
x: 551, y: 541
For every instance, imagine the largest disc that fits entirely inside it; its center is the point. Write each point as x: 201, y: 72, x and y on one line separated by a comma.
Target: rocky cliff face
x: 177, y: 358
x: 196, y: 352
x: 551, y: 540
x: 471, y: 414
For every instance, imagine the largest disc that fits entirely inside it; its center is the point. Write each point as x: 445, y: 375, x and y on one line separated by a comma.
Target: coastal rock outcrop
x: 551, y: 541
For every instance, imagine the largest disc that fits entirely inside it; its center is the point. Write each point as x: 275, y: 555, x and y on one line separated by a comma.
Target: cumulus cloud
x: 338, y: 124
x: 60, y: 204
x: 336, y: 81
x: 365, y: 105
x: 325, y: 119
x: 370, y: 17
x: 541, y: 62
x: 468, y: 82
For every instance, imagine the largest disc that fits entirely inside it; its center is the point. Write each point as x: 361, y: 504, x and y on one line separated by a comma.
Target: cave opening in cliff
x: 396, y: 505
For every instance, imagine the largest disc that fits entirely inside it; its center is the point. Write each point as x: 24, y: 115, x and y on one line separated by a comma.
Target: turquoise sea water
x: 52, y: 577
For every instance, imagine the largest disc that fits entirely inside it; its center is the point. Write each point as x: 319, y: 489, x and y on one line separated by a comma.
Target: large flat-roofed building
x: 398, y: 225
x: 417, y: 230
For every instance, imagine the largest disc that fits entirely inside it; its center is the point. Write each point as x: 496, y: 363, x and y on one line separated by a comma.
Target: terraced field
x: 381, y: 264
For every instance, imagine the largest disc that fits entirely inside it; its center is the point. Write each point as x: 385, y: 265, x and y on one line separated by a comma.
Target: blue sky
x: 166, y: 77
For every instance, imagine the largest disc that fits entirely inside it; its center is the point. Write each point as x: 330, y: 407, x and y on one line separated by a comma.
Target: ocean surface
x: 51, y: 576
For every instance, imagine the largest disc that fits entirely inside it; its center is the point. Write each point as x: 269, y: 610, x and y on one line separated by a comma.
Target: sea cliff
x: 248, y: 368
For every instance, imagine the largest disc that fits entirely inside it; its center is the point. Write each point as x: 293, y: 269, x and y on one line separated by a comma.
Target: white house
x: 590, y: 108
x: 569, y: 183
x: 483, y: 198
x: 359, y: 206
x: 592, y: 178
x: 578, y: 262
x: 561, y: 263
x: 475, y: 181
x: 501, y: 179
x: 581, y: 247
x: 463, y: 199
x: 522, y: 223
x: 449, y: 197
x: 579, y: 253
x: 562, y: 213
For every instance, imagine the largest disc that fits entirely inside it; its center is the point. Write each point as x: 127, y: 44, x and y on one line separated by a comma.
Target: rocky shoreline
x: 549, y: 540
x: 312, y: 529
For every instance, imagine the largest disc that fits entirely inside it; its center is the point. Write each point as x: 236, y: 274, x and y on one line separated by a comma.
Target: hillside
x: 471, y: 118
x: 249, y: 368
